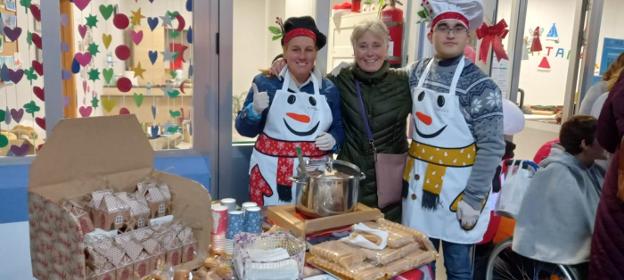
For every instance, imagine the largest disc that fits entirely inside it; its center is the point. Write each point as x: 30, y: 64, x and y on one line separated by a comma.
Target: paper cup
x: 230, y: 203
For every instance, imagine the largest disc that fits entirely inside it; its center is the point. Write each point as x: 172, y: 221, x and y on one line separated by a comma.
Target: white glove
x: 325, y: 141
x: 467, y: 215
x: 260, y: 99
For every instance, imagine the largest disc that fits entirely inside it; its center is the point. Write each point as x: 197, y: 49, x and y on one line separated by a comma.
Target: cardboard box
x: 78, y: 156
x: 287, y: 217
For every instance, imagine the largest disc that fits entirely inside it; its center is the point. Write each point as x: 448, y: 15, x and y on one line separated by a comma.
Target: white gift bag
x: 514, y: 187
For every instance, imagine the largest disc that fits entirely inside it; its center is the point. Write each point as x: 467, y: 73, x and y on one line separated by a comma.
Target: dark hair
x: 575, y: 130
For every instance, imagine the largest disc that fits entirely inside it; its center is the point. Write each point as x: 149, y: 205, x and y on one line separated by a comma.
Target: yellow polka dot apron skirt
x: 441, y: 156
x: 294, y: 120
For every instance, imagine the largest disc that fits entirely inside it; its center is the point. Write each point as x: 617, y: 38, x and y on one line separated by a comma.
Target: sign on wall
x: 611, y: 49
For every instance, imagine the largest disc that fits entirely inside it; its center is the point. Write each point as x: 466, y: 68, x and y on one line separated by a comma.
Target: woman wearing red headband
x: 296, y: 109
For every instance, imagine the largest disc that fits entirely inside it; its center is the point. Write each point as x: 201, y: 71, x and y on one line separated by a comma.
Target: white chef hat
x: 469, y: 12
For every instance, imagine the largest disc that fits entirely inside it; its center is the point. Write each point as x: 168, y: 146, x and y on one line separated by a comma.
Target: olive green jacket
x: 388, y: 103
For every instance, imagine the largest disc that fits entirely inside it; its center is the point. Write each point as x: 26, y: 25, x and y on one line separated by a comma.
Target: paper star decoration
x: 91, y: 21
x: 169, y: 55
x: 31, y: 108
x: 166, y: 20
x: 94, y: 102
x: 138, y: 71
x: 136, y: 17
x: 93, y: 49
x: 94, y: 75
x: 29, y: 36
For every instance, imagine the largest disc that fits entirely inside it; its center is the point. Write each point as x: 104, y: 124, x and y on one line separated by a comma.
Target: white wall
x: 611, y: 26
x: 548, y: 87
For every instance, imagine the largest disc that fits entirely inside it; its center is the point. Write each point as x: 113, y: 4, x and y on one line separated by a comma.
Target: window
x: 22, y: 110
x: 161, y: 209
x: 134, y: 57
x: 119, y: 219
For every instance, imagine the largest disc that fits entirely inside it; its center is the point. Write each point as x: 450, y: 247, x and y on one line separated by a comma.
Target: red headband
x: 449, y: 15
x: 299, y: 32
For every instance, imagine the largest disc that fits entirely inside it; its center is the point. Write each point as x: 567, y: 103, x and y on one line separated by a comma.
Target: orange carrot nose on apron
x: 299, y: 118
x: 423, y: 118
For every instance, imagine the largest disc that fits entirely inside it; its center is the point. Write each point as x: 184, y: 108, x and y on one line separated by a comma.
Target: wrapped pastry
x: 338, y: 252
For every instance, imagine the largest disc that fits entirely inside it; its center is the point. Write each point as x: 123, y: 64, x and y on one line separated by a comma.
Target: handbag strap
x: 363, y: 114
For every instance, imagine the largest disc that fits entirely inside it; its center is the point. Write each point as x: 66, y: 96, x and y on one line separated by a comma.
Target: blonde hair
x: 613, y: 78
x: 376, y: 27
x: 614, y: 69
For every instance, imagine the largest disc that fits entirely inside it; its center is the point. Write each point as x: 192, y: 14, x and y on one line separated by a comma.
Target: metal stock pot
x: 329, y: 192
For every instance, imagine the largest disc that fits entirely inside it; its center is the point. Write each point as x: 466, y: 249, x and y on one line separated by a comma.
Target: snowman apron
x: 441, y: 156
x: 294, y: 120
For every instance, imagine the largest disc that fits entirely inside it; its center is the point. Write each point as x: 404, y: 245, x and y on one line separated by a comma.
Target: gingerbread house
x: 139, y: 211
x: 157, y: 197
x: 108, y: 212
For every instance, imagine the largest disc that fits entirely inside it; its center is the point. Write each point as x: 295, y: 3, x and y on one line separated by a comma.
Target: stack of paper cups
x: 236, y: 224
x: 248, y: 204
x: 253, y: 220
x: 230, y: 203
x: 219, y: 227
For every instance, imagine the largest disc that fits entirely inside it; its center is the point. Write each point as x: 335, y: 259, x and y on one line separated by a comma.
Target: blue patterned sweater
x: 481, y: 105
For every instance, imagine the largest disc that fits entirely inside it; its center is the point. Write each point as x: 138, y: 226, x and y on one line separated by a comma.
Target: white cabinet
x: 339, y: 47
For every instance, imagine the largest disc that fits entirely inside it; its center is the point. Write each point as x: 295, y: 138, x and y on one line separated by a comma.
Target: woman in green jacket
x: 387, y: 100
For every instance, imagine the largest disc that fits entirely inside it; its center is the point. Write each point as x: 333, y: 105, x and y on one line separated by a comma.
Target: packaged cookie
x: 338, y: 252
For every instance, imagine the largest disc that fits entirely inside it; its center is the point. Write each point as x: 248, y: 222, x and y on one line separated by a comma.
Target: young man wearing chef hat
x: 457, y: 139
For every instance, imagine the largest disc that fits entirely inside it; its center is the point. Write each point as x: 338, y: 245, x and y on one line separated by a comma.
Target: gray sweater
x: 481, y: 105
x: 556, y: 217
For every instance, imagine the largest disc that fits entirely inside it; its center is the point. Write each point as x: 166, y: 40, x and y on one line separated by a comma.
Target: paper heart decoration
x: 108, y: 104
x: 19, y: 151
x: 107, y: 39
x: 17, y: 114
x: 85, y: 111
x: 38, y: 66
x: 82, y: 30
x: 189, y: 35
x: 108, y: 74
x: 84, y: 86
x: 39, y: 92
x: 152, y: 22
x: 121, y: 21
x: 153, y: 111
x: 36, y: 12
x: 36, y: 39
x: 16, y: 75
x: 174, y: 114
x: 136, y: 36
x: 81, y: 4
x: 122, y: 52
x: 154, y: 131
x: 189, y: 5
x: 83, y: 58
x: 138, y: 99
x: 41, y: 122
x: 153, y: 55
x: 124, y: 111
x: 12, y: 33
x: 106, y: 11
x: 2, y: 114
x: 4, y: 141
x: 75, y: 67
x: 4, y: 73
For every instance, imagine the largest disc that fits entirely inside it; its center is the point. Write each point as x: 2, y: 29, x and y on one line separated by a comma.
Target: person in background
x: 457, y: 141
x: 608, y: 239
x: 597, y: 90
x: 556, y: 217
x: 296, y: 109
x: 386, y: 98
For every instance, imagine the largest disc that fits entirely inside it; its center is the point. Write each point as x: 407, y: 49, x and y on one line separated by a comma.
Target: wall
x: 611, y: 25
x: 547, y: 87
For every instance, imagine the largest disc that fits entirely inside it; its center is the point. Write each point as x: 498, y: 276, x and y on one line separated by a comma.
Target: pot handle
x: 362, y: 176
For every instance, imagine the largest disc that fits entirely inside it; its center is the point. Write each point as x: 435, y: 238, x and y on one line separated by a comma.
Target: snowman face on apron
x: 297, y: 121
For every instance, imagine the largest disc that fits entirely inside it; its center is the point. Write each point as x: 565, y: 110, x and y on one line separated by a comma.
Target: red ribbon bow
x: 492, y: 35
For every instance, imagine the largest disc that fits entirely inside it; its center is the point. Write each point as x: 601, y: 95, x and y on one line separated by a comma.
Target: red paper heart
x: 38, y: 66
x: 122, y: 52
x: 41, y: 122
x: 85, y: 111
x: 36, y: 38
x: 81, y: 4
x: 38, y: 91
x: 124, y: 84
x: 36, y: 12
x: 83, y: 58
x: 82, y: 29
x: 124, y: 111
x: 121, y: 21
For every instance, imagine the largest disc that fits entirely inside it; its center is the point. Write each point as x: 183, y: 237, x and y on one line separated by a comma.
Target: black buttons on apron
x: 416, y: 177
x: 413, y: 196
